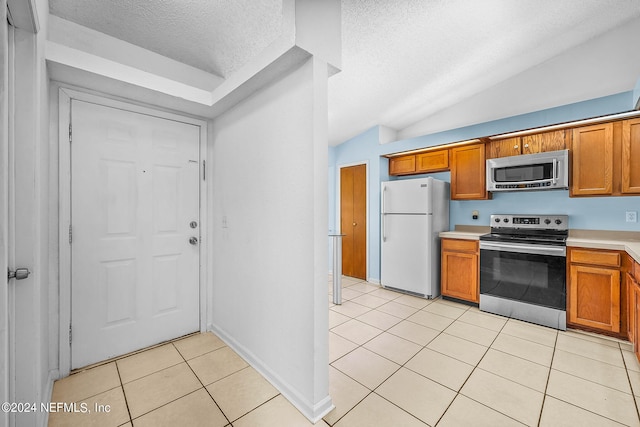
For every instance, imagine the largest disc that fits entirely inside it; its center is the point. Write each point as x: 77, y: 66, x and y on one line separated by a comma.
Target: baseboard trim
x: 313, y: 413
x: 46, y: 396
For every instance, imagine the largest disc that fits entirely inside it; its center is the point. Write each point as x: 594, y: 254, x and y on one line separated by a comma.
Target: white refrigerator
x: 414, y: 212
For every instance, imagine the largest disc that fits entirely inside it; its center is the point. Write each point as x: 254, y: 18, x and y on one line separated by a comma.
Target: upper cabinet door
x: 432, y: 161
x: 547, y: 141
x: 592, y: 148
x: 504, y: 148
x: 631, y: 156
x: 468, y: 173
x: 403, y: 165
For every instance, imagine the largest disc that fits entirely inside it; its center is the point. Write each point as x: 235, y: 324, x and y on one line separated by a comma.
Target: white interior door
x: 134, y: 208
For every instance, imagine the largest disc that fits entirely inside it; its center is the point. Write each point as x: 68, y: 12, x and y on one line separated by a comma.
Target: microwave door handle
x: 555, y: 171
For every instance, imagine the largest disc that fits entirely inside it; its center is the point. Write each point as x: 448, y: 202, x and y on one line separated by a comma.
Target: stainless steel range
x: 523, y: 268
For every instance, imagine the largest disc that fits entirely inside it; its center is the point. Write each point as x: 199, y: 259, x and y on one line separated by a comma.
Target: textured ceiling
x: 218, y: 36
x: 403, y: 60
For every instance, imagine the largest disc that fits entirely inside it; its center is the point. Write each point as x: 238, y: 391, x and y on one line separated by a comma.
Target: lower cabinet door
x: 594, y: 298
x: 460, y: 275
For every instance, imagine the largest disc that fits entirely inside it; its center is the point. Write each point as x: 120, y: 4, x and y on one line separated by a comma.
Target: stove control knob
x: 547, y: 221
x: 558, y: 221
x: 497, y: 220
x: 506, y: 220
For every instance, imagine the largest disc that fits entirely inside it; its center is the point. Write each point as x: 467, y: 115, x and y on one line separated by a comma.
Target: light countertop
x: 628, y: 241
x: 466, y: 232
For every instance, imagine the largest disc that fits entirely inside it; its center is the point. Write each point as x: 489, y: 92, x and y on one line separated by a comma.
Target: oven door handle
x: 525, y: 248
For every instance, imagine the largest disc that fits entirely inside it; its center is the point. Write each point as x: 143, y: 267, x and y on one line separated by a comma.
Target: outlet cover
x: 632, y: 216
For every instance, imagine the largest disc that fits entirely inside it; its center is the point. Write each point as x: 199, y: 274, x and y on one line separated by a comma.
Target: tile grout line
x: 187, y: 394
x: 373, y: 391
x: 458, y: 392
x: 633, y: 396
x: 126, y: 401
x: 554, y: 348
x: 546, y: 385
x: 200, y: 381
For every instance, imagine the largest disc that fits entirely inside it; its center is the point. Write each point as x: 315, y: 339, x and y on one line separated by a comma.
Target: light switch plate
x: 632, y: 216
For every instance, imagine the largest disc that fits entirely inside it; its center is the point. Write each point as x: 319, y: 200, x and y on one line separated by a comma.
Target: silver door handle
x: 193, y: 240
x: 19, y: 274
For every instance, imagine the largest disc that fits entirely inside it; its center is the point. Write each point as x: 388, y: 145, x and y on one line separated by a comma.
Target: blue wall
x: 594, y: 213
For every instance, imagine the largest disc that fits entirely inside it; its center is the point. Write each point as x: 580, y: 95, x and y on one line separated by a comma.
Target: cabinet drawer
x: 459, y: 245
x: 585, y: 256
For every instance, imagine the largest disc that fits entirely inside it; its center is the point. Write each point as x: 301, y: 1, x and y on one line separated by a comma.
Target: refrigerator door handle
x: 384, y: 234
x: 384, y: 190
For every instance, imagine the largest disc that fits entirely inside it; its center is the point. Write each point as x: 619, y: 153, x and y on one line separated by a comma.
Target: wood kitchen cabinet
x: 595, y: 300
x: 432, y: 161
x: 630, y: 167
x: 606, y: 159
x: 592, y: 164
x: 636, y: 318
x: 468, y: 166
x: 466, y: 163
x: 529, y: 144
x: 633, y: 303
x: 402, y: 165
x: 629, y: 288
x: 460, y: 269
x: 427, y: 162
x: 635, y: 276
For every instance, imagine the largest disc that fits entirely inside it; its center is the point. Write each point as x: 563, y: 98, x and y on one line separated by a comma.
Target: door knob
x: 193, y: 240
x: 19, y: 274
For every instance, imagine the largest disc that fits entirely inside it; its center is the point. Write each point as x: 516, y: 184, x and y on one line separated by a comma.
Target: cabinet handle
x: 515, y: 147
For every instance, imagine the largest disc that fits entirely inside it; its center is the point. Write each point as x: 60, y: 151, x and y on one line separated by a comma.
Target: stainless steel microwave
x: 541, y: 171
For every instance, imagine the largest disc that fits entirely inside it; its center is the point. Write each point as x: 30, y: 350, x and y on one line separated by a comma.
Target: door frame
x: 5, y: 338
x: 339, y: 207
x: 66, y: 95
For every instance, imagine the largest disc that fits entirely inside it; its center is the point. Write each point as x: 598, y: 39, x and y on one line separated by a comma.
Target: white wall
x: 30, y: 373
x: 269, y: 225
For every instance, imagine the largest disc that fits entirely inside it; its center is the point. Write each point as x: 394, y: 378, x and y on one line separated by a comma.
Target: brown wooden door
x: 353, y: 220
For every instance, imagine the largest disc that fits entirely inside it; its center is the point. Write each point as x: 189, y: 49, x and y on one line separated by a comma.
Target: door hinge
x: 70, y: 235
x: 69, y: 333
x: 69, y: 132
x: 204, y: 170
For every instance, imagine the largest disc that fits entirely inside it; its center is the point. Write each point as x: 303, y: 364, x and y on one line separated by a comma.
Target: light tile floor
x: 395, y: 360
